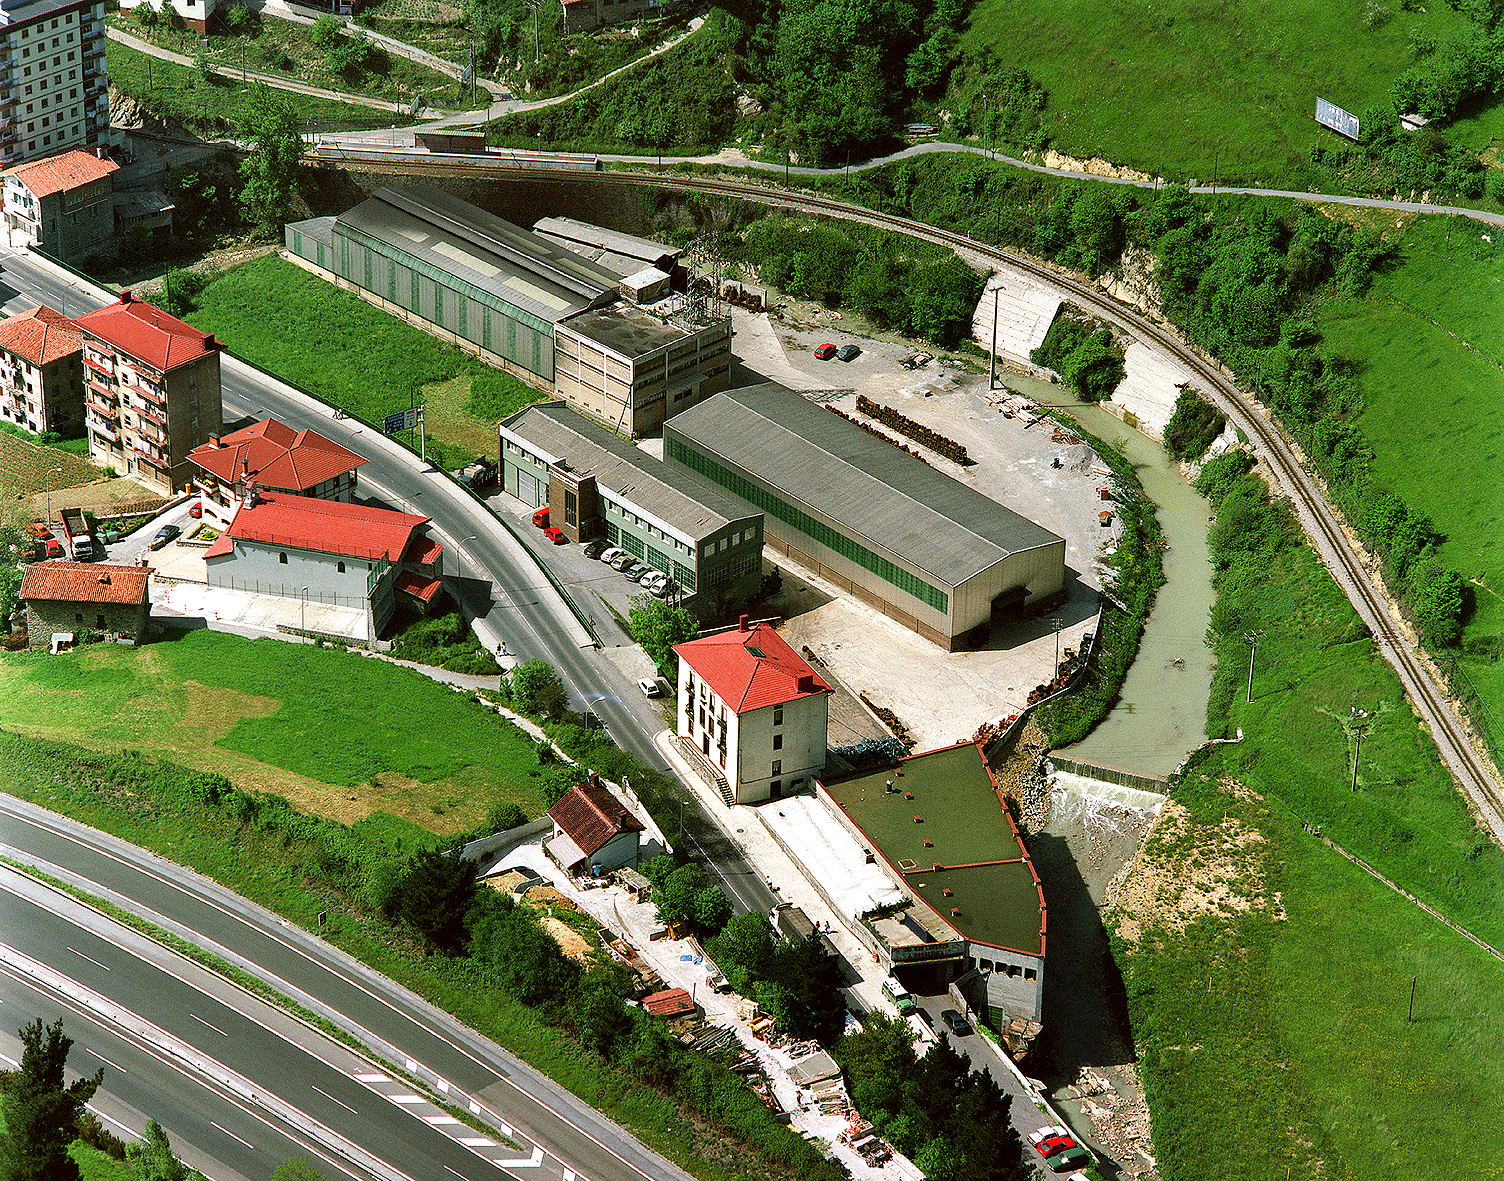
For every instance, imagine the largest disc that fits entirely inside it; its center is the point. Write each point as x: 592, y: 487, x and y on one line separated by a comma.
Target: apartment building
x: 62, y: 204
x: 54, y: 91
x: 41, y: 372
x: 152, y: 391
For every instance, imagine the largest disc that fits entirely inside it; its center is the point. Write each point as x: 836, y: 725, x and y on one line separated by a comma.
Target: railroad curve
x: 1477, y: 775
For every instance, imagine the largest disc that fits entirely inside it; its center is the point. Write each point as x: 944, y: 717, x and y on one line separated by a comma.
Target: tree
x: 528, y: 959
x: 41, y: 1115
x: 240, y: 20
x: 269, y: 123
x: 685, y: 896
x: 152, y: 1159
x: 744, y: 949
x: 436, y: 893
x: 658, y: 627
x: 538, y: 689
x: 203, y: 63
x: 1438, y: 600
x: 1096, y: 368
x: 604, y: 1023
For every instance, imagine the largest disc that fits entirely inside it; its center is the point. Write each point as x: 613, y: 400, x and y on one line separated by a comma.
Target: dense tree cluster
x: 796, y: 981
x: 954, y: 1123
x: 1193, y: 426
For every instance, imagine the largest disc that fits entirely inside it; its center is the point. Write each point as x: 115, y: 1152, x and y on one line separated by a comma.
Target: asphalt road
x: 509, y: 597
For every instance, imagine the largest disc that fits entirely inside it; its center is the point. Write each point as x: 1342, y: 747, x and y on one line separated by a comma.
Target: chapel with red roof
x: 754, y: 710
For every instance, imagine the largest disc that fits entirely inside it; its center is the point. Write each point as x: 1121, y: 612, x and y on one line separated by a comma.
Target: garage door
x: 528, y: 490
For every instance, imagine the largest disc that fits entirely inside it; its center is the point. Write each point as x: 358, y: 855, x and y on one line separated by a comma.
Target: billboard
x: 1330, y: 115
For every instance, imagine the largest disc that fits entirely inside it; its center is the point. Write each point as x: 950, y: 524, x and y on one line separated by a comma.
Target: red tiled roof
x: 223, y: 544
x: 325, y: 526
x: 424, y: 551
x: 276, y: 456
x: 422, y: 589
x: 84, y: 582
x: 751, y: 669
x: 668, y: 1003
x: 591, y: 816
x: 40, y: 335
x: 147, y: 333
x: 58, y: 174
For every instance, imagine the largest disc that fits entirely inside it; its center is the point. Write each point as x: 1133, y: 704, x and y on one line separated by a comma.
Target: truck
x: 80, y: 539
x: 898, y: 996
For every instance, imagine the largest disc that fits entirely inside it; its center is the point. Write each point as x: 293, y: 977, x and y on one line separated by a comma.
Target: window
x: 778, y: 715
x: 78, y: 617
x: 778, y: 742
x: 99, y: 622
x: 340, y: 567
x: 282, y: 559
x: 1030, y: 973
x: 777, y: 766
x: 775, y: 787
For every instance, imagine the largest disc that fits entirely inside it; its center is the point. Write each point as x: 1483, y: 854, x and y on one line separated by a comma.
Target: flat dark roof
x: 985, y: 864
x: 625, y: 329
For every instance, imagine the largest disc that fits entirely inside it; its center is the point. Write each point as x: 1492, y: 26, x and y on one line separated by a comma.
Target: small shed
x: 594, y: 832
x: 85, y: 596
x: 671, y: 1002
x: 639, y: 889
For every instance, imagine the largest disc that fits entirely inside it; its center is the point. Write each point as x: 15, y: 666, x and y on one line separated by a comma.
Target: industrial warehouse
x: 626, y: 349
x: 928, y: 551
x: 597, y: 484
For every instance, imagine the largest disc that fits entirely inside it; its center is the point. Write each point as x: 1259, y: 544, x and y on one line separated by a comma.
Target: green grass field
x: 171, y: 91
x: 1274, y: 1028
x: 263, y: 712
x: 1184, y: 89
x: 337, y: 346
x: 286, y: 49
x: 1430, y: 344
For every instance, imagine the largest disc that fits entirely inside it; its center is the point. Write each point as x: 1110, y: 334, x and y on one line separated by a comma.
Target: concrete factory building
x: 972, y: 901
x: 923, y: 548
x: 597, y: 484
x: 624, y: 349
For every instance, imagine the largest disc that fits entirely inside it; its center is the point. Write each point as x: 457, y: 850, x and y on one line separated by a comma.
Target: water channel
x: 1161, y: 715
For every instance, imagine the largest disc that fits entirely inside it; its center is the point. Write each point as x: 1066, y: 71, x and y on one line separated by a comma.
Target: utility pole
x: 1057, y: 623
x: 1252, y: 639
x: 992, y: 357
x: 303, y: 614
x: 985, y: 113
x: 48, y: 483
x: 1358, y: 731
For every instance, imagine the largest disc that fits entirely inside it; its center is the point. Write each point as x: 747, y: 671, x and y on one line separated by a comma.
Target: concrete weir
x: 1096, y: 787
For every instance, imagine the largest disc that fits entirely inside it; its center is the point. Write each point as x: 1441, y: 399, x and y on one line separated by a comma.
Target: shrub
x: 1193, y: 427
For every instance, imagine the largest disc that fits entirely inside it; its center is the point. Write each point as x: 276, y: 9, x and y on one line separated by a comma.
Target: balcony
x: 152, y: 435
x: 104, y: 430
x: 152, y: 393
x: 100, y: 366
x: 105, y: 409
x: 155, y: 460
x: 145, y: 411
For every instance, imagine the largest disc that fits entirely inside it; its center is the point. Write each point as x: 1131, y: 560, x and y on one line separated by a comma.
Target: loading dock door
x: 1008, y: 607
x: 529, y: 491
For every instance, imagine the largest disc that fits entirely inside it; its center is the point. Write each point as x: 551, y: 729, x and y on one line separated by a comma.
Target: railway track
x: 1477, y: 775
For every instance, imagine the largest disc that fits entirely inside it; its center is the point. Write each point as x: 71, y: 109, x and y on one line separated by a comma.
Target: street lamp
x: 47, y: 482
x: 460, y: 556
x: 985, y: 112
x: 303, y: 613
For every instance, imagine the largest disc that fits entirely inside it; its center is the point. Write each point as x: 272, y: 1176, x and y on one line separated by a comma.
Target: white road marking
x: 247, y: 1143
x: 436, y: 1120
x: 215, y: 1028
x: 105, y: 1060
x: 332, y: 1099
x: 528, y: 1162
x: 90, y: 958
x: 407, y: 1099
x: 372, y: 1078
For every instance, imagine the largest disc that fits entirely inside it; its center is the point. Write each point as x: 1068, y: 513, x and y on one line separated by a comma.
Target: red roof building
x: 328, y: 552
x: 670, y: 1002
x: 593, y: 831
x: 755, y: 709
x: 153, y: 389
x: 274, y: 458
x: 41, y: 371
x: 72, y: 598
x: 62, y: 203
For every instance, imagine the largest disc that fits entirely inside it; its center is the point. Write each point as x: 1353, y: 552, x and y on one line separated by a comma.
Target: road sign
x: 403, y: 420
x: 1333, y: 116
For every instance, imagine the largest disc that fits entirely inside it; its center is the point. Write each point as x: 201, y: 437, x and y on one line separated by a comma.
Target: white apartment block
x: 54, y: 91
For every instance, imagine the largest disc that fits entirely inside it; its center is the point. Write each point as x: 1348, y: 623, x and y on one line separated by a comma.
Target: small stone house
x: 79, y: 597
x: 593, y: 831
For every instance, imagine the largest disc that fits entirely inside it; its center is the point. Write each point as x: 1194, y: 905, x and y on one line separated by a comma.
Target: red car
x: 555, y: 535
x: 197, y: 510
x: 540, y: 518
x: 825, y: 352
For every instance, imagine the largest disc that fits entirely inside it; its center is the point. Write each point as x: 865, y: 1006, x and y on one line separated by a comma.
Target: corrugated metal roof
x: 819, y: 459
x: 514, y: 265
x: 592, y: 240
x: 559, y: 433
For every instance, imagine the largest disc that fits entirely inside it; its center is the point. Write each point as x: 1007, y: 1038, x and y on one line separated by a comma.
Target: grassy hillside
x: 1181, y: 87
x: 1430, y: 344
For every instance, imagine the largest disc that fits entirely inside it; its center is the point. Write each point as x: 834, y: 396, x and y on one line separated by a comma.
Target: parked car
x: 555, y: 535
x: 610, y: 555
x: 38, y: 530
x: 631, y: 570
x: 662, y: 590
x: 917, y: 360
x: 197, y: 509
x: 593, y: 549
x: 653, y: 686
x: 647, y: 576
x: 165, y: 534
x: 622, y: 561
x: 956, y: 1023
x: 1059, y: 1148
x: 652, y: 581
x: 825, y: 352
x: 540, y: 518
x: 848, y: 352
